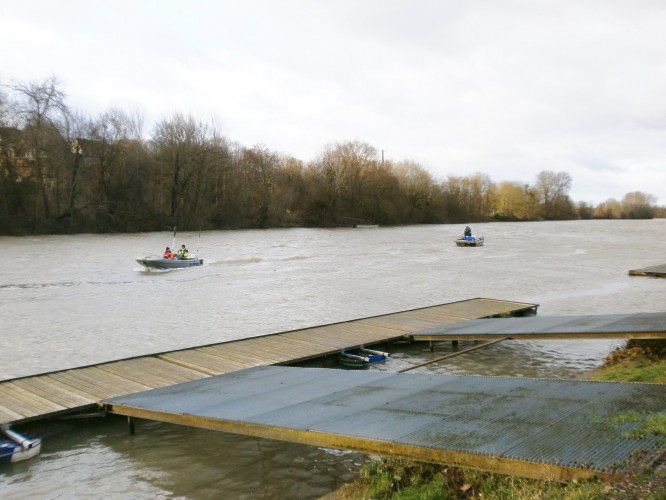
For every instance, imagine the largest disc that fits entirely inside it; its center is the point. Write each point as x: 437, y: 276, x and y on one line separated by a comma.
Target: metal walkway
x: 545, y: 429
x: 49, y: 394
x: 602, y: 326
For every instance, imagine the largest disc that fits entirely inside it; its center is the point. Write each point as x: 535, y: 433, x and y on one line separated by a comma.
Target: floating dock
x: 49, y: 394
x: 597, y: 326
x: 654, y: 271
x: 548, y: 429
x: 544, y: 429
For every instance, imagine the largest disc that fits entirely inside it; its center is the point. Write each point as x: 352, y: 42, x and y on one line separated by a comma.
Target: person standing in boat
x: 183, y: 254
x: 468, y: 232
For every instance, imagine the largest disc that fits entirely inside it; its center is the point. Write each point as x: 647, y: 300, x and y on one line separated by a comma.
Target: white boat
x: 469, y: 241
x: 157, y: 262
x: 17, y: 447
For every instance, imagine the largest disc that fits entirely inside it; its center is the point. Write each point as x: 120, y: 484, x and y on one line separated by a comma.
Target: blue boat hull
x: 18, y: 447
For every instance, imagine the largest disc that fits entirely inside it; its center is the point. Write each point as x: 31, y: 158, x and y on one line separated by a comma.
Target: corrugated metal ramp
x: 603, y: 326
x: 550, y: 429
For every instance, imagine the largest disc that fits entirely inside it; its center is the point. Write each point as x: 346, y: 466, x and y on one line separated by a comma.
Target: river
x: 68, y: 301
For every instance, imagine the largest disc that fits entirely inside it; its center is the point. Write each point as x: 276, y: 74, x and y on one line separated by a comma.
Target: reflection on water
x: 85, y: 458
x: 95, y: 305
x: 560, y: 359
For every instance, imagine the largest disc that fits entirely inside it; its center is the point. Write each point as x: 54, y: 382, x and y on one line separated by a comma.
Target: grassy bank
x: 403, y: 479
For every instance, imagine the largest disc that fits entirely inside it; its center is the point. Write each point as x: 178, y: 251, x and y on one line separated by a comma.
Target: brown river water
x: 68, y: 301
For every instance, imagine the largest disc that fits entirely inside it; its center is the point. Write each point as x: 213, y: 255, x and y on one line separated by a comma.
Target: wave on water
x: 61, y: 284
x: 297, y: 257
x: 249, y: 260
x: 66, y: 284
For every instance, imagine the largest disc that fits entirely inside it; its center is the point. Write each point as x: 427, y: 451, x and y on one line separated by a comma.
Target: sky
x: 507, y: 88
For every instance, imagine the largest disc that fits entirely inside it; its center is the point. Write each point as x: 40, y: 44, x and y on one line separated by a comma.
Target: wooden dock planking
x: 161, y: 367
x: 47, y: 388
x: 248, y: 352
x: 181, y: 359
x: 9, y: 415
x: 290, y: 348
x: 484, y: 308
x: 20, y: 391
x: 58, y: 380
x: 232, y: 357
x: 146, y: 372
x: 38, y: 396
x: 361, y: 332
x: 257, y: 349
x: 207, y: 363
x: 114, y: 382
x: 322, y: 338
x: 13, y: 403
x: 96, y: 386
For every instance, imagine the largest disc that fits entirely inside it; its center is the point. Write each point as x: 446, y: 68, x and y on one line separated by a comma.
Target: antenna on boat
x: 198, y: 239
x: 173, y: 242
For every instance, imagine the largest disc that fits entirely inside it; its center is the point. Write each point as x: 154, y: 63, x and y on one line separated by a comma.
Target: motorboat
x: 157, y: 262
x: 15, y: 447
x: 469, y: 241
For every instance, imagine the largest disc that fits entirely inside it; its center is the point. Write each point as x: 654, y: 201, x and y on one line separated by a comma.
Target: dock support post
x: 432, y: 346
x: 454, y: 344
x: 131, y: 425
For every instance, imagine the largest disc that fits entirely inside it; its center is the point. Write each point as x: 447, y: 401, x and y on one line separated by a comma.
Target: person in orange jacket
x: 168, y: 254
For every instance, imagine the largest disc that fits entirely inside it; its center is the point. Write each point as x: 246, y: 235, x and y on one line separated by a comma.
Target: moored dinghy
x: 362, y: 358
x: 16, y: 447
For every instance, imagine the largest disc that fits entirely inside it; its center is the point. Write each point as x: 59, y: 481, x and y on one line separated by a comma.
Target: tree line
x: 64, y: 172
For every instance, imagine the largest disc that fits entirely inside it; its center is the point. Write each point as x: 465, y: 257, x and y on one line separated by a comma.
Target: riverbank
x: 397, y: 478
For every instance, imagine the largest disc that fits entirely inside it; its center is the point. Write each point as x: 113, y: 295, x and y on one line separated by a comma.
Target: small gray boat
x: 469, y: 241
x: 156, y: 262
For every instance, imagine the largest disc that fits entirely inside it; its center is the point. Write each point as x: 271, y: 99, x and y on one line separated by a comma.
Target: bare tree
x: 638, y: 205
x: 41, y: 105
x: 76, y: 127
x: 552, y: 190
x: 347, y: 170
x: 418, y: 187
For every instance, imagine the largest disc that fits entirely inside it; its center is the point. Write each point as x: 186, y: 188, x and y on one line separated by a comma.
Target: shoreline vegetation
x: 65, y: 172
x: 405, y: 479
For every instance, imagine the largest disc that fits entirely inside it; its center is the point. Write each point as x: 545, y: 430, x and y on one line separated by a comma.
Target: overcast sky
x: 504, y: 87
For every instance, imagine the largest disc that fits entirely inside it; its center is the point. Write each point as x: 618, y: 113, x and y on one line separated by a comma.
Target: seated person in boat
x: 168, y: 254
x: 183, y: 254
x: 468, y: 232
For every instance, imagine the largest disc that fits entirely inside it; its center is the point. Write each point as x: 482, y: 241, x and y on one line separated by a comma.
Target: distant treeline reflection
x: 64, y: 172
